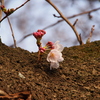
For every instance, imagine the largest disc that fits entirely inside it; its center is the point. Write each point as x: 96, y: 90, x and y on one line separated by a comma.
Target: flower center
x: 52, y: 55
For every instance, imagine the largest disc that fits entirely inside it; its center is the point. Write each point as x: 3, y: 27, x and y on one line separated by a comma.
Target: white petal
x: 52, y: 56
x: 60, y: 59
x: 58, y: 46
x: 54, y: 65
x: 55, y: 56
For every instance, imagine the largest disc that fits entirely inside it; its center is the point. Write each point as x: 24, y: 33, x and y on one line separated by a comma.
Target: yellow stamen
x: 52, y: 55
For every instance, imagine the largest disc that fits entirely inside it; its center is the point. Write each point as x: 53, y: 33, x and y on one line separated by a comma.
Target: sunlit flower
x: 55, y: 55
x: 39, y: 34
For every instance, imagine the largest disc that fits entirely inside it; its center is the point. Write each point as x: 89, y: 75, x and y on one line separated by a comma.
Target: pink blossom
x: 58, y: 46
x: 55, y: 55
x: 39, y: 34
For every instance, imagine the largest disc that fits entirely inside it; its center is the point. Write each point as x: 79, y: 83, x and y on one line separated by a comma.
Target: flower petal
x: 54, y: 65
x: 58, y: 46
x: 55, y: 56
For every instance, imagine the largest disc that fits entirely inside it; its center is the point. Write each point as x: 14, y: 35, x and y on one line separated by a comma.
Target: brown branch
x: 75, y: 22
x: 64, y: 18
x: 14, y: 10
x: 12, y: 32
x: 1, y: 3
x: 56, y: 16
x: 71, y: 17
x: 81, y: 39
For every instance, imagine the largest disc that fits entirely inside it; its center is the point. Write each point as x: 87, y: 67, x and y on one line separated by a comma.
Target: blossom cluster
x: 55, y: 55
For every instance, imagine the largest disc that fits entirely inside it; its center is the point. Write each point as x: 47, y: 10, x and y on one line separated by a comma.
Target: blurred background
x: 38, y: 14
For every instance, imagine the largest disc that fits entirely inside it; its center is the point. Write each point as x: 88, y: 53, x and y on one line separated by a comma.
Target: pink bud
x: 42, y: 31
x: 39, y: 34
x: 41, y: 49
x: 2, y: 6
x: 50, y: 45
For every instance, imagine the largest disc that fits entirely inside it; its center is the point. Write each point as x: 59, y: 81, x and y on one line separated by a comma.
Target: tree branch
x: 14, y: 10
x: 64, y: 18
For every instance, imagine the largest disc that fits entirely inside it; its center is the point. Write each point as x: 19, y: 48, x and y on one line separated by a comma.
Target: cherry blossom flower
x: 55, y: 55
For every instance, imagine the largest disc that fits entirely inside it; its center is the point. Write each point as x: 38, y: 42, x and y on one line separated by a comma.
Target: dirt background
x: 78, y: 77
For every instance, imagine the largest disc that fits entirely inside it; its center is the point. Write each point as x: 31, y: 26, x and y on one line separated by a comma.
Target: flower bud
x: 42, y: 50
x: 11, y: 10
x: 3, y: 8
x: 39, y: 34
x: 50, y: 45
x: 42, y: 31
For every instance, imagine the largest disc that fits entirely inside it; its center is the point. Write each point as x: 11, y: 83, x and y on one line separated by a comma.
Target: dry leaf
x: 26, y: 95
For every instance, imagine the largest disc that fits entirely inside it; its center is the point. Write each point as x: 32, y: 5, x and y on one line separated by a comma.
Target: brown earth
x: 78, y: 77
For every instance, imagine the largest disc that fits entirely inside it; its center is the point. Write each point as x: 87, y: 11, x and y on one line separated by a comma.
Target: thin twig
x: 12, y: 32
x: 81, y: 39
x: 75, y: 22
x: 92, y: 29
x: 56, y: 16
x: 64, y: 18
x: 71, y: 17
x: 90, y: 35
x: 14, y: 10
x: 22, y: 5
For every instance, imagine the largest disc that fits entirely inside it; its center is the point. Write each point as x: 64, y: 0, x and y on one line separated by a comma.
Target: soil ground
x: 78, y: 77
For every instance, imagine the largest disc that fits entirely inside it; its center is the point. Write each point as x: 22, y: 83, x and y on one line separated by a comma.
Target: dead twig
x: 56, y: 16
x: 75, y: 22
x: 14, y: 10
x: 90, y: 35
x: 81, y: 39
